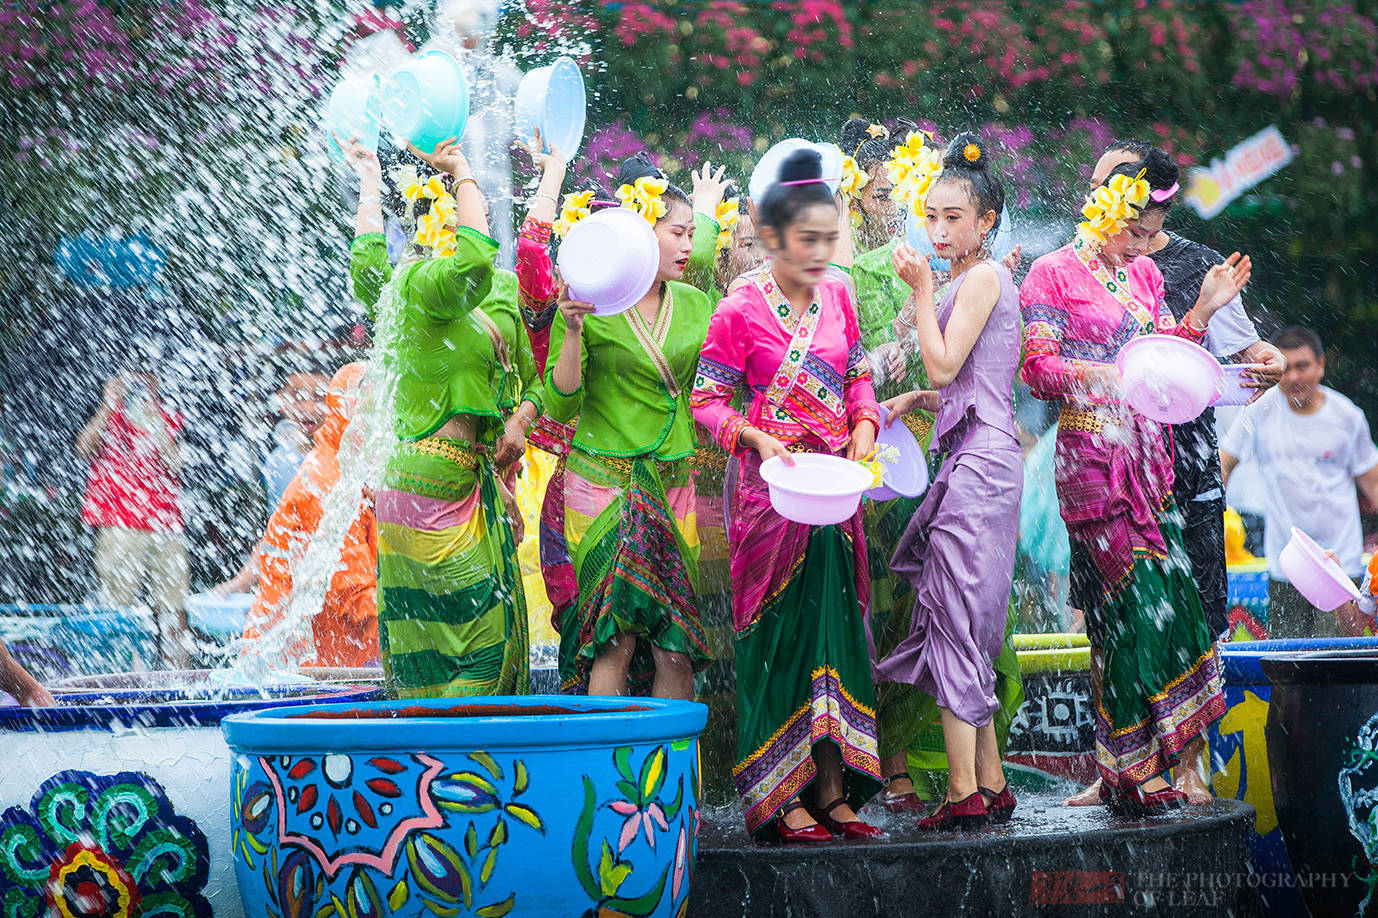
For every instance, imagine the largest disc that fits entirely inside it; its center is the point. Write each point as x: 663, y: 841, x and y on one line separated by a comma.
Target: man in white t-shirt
x: 1311, y: 445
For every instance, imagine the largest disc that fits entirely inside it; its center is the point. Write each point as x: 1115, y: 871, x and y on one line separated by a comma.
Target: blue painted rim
x: 108, y: 710
x: 581, y: 722
x: 1242, y: 659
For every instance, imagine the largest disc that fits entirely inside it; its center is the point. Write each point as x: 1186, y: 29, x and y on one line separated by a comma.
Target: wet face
x: 675, y: 236
x: 1305, y: 369
x: 1107, y: 164
x: 746, y: 251
x: 954, y: 227
x: 802, y: 257
x: 880, y: 209
x: 1135, y: 239
x: 302, y: 400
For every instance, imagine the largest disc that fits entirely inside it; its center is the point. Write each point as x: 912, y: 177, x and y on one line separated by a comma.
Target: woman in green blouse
x: 629, y: 491
x: 464, y: 391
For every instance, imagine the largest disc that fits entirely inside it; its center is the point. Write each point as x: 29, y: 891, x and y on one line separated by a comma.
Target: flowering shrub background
x: 196, y: 123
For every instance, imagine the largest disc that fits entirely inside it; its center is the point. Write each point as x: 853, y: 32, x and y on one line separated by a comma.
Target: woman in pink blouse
x: 806, y: 732
x: 1160, y: 673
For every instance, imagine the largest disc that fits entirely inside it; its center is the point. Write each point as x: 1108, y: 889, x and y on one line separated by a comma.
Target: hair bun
x: 854, y: 133
x: 636, y: 167
x: 801, y: 166
x: 966, y: 151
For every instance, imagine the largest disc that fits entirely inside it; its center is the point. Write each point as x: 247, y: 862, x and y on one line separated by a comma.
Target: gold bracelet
x: 459, y: 183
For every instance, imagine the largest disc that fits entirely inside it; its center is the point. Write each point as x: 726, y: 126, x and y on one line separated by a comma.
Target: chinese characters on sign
x: 1249, y: 162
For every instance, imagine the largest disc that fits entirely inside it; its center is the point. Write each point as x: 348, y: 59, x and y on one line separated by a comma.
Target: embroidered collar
x: 652, y: 338
x: 1117, y: 284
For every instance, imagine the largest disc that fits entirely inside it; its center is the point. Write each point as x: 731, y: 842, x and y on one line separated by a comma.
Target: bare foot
x: 1189, y: 782
x: 1088, y: 797
x: 898, y: 787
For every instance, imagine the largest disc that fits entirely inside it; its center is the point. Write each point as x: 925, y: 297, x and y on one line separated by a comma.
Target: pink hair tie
x: 1166, y: 193
x: 809, y: 181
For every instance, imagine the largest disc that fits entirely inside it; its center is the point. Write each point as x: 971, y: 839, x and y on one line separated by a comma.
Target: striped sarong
x: 451, y: 608
x: 630, y: 528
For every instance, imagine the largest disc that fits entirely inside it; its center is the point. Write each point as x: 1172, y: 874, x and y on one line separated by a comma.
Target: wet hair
x: 641, y: 166
x: 858, y: 143
x: 967, y: 160
x: 1159, y: 171
x: 1139, y: 148
x: 782, y: 203
x: 1295, y: 336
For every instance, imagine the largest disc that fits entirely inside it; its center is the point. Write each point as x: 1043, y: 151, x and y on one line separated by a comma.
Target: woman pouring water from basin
x: 1081, y: 304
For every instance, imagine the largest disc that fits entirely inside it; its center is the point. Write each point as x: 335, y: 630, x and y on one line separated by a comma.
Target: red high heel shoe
x: 854, y: 829
x: 900, y: 803
x: 1136, y: 803
x: 968, y: 813
x: 808, y: 834
x: 1001, y: 806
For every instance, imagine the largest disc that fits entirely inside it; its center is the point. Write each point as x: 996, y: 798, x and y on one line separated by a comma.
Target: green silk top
x: 444, y: 359
x: 624, y: 406
x: 880, y: 296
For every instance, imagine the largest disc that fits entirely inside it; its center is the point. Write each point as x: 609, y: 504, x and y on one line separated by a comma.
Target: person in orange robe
x: 346, y: 629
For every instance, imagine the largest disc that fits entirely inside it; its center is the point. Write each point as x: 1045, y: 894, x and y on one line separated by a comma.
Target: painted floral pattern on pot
x: 646, y: 816
x: 101, y: 846
x: 458, y: 834
x: 348, y: 836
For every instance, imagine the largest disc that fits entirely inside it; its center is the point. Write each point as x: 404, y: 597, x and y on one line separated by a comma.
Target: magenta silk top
x: 1074, y: 319
x: 808, y: 379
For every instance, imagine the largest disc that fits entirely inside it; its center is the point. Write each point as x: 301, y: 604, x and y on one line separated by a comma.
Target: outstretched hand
x: 361, y: 160
x: 1224, y: 281
x: 709, y: 188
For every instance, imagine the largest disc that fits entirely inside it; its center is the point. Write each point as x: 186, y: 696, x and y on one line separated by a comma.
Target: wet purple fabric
x: 958, y: 552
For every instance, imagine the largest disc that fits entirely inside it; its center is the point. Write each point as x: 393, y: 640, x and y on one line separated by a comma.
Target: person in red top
x: 133, y: 501
x: 345, y: 631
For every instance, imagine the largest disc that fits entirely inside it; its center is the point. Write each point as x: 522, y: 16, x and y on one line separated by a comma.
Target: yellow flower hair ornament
x: 1110, y: 207
x: 435, y: 230
x: 726, y: 215
x: 644, y: 197
x: 854, y: 178
x: 912, y: 168
x: 575, y: 208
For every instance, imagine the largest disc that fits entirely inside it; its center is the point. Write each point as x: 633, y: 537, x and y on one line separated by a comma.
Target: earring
x: 984, y: 247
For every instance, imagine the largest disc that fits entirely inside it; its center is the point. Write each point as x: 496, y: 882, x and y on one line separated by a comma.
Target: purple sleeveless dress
x: 958, y: 552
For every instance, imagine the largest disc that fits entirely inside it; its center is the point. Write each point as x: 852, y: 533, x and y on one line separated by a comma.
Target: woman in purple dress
x: 958, y: 552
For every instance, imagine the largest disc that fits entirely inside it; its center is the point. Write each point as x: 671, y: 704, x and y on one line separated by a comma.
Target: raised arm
x: 709, y: 189
x: 564, y: 380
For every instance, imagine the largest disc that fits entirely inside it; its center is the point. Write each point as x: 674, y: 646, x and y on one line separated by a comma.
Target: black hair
x: 1295, y: 336
x: 641, y: 166
x: 1159, y: 171
x: 859, y: 143
x: 968, y: 160
x: 782, y: 203
x: 1139, y: 148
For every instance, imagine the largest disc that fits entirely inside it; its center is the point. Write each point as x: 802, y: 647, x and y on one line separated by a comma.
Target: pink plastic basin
x: 818, y: 489
x: 1168, y: 379
x: 1320, y: 580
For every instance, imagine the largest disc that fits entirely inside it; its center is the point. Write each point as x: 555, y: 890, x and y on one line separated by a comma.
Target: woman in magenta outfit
x: 958, y: 552
x: 806, y: 731
x: 1081, y: 304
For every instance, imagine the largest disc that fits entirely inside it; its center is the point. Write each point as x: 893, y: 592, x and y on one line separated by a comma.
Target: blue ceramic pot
x: 1239, y: 752
x: 539, y: 805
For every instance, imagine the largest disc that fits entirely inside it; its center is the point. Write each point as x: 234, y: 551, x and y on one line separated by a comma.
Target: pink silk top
x: 1113, y: 473
x: 803, y: 387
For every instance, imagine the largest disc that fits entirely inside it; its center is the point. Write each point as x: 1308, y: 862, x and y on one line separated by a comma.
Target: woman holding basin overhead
x: 1081, y: 304
x: 628, y: 488
x: 806, y: 746
x: 458, y: 366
